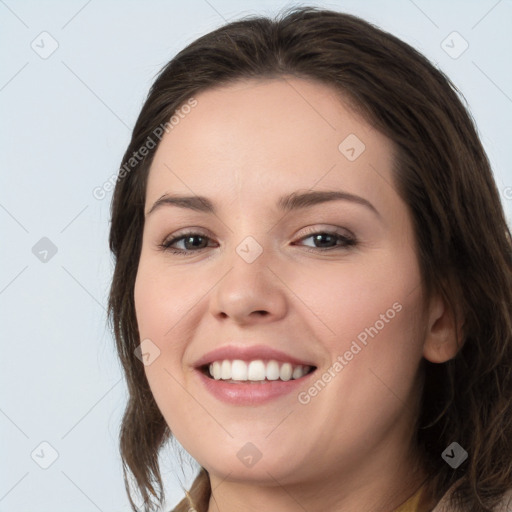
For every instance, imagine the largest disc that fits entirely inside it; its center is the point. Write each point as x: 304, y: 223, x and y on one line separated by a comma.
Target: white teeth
x: 272, y: 370
x: 298, y: 372
x: 225, y: 370
x: 257, y: 370
x: 239, y: 370
x: 215, y: 370
x: 286, y: 371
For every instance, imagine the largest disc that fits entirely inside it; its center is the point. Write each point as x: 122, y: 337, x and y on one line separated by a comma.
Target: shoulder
x: 504, y: 505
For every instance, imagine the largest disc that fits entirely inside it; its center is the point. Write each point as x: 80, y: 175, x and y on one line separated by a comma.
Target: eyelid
x: 317, y: 228
x: 344, y: 234
x: 329, y: 229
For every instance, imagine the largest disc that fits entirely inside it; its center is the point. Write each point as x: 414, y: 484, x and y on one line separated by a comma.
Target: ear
x: 442, y: 332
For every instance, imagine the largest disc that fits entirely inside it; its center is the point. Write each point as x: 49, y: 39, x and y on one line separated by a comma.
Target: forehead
x: 270, y: 135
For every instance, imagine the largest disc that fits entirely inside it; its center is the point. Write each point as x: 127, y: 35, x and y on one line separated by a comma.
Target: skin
x: 351, y: 446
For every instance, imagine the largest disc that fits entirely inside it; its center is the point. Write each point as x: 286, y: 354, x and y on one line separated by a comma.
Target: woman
x: 314, y: 267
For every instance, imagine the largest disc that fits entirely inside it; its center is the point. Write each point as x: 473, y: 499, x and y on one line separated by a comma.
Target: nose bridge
x: 249, y: 286
x: 249, y: 262
x: 251, y: 239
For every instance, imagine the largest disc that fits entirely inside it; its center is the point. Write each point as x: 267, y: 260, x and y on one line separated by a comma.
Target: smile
x: 252, y: 375
x: 255, y: 371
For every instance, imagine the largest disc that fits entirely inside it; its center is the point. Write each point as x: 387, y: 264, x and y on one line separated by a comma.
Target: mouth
x: 252, y: 375
x: 238, y: 371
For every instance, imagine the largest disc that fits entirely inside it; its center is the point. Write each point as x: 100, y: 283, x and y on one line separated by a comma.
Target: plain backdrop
x: 73, y: 77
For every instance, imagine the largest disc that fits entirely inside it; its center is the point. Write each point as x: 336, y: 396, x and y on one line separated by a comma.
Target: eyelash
x: 347, y: 241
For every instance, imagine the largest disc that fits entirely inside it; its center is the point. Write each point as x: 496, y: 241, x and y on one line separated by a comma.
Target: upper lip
x: 249, y: 353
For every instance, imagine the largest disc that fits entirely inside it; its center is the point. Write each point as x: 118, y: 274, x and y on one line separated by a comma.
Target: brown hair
x: 443, y: 175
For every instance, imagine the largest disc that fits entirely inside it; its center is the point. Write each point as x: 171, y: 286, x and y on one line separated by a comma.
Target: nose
x: 249, y: 293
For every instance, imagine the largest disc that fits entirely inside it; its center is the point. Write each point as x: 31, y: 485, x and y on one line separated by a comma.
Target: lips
x: 248, y: 354
x: 257, y: 387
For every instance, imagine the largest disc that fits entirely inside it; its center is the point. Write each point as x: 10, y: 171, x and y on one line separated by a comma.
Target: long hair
x: 441, y: 172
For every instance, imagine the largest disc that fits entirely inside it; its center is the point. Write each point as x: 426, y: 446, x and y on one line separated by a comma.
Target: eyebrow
x: 287, y: 203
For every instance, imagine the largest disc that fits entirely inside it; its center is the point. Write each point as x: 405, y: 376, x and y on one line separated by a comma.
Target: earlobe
x: 443, y: 336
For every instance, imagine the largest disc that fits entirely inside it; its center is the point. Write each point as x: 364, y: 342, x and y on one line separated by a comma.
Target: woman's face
x: 279, y: 283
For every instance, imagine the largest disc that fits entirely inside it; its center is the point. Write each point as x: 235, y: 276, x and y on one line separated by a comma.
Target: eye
x: 326, y: 239
x: 186, y: 238
x: 195, y: 241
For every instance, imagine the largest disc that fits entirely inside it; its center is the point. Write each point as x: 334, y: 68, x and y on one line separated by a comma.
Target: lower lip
x: 251, y: 393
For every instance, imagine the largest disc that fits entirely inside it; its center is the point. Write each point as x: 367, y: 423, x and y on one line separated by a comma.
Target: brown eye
x: 328, y: 240
x: 192, y: 242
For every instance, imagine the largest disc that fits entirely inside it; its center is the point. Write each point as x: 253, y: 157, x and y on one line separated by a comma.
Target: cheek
x: 377, y: 316
x: 158, y: 309
x: 345, y: 300
x: 150, y: 299
x: 371, y: 327
x: 161, y: 302
x: 369, y: 314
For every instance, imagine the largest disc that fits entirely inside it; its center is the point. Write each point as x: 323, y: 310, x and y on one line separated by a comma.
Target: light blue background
x: 65, y: 124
